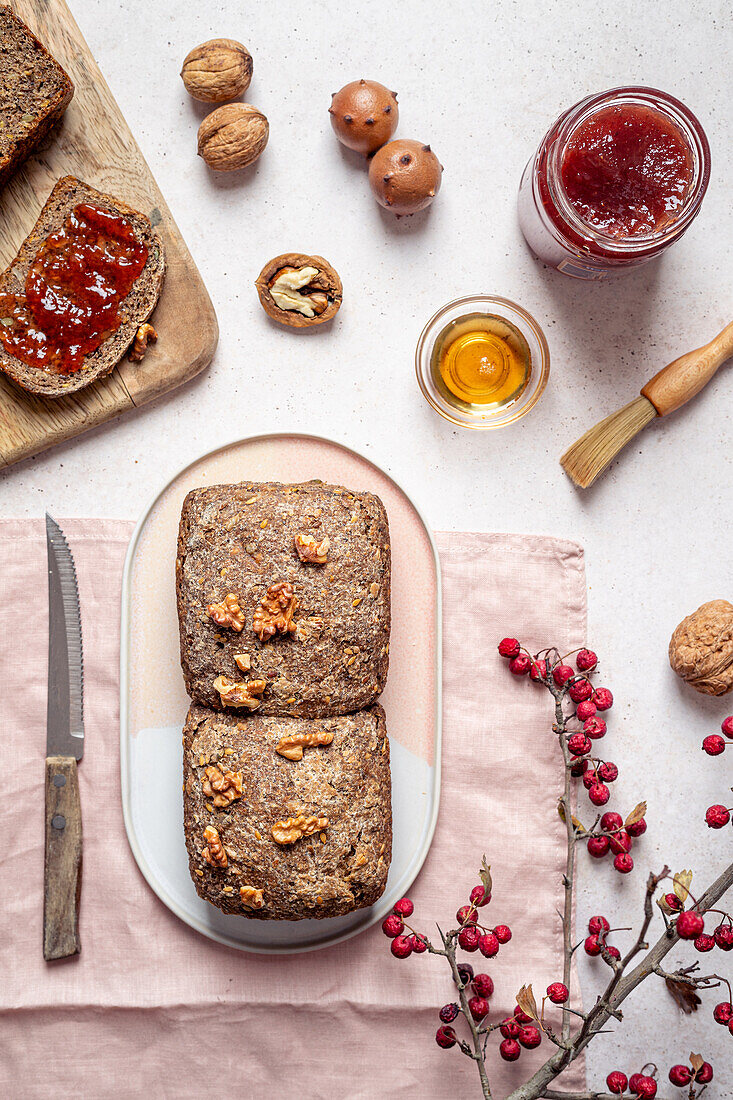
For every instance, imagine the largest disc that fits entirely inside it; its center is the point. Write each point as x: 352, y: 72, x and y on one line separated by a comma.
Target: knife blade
x: 64, y: 747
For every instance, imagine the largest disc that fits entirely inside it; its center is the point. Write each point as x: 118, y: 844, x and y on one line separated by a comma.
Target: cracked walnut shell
x: 217, y: 70
x: 227, y: 613
x: 701, y: 648
x: 299, y: 290
x: 232, y: 136
x: 240, y: 693
x: 222, y: 788
x: 293, y: 828
x: 214, y: 852
x: 276, y: 610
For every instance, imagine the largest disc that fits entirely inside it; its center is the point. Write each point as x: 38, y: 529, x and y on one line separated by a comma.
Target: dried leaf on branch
x: 638, y: 812
x: 684, y: 995
x: 527, y: 1003
x: 682, y: 882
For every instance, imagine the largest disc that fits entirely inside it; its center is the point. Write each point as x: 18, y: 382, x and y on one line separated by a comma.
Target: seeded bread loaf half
x: 284, y: 597
x: 287, y: 818
x: 34, y: 92
x: 134, y: 309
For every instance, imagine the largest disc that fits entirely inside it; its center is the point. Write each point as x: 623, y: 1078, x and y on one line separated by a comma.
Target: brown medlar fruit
x: 405, y: 176
x: 232, y: 136
x: 364, y: 115
x: 701, y: 648
x: 217, y: 70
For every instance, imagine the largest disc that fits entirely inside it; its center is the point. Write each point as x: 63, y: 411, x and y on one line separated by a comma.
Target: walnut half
x: 312, y: 551
x: 299, y: 290
x: 293, y: 828
x: 276, y: 610
x: 227, y: 613
x: 221, y: 787
x: 292, y: 747
x: 240, y: 693
x: 214, y: 852
x: 252, y: 898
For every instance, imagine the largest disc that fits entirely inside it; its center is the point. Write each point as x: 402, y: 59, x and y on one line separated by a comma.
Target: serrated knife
x: 64, y: 747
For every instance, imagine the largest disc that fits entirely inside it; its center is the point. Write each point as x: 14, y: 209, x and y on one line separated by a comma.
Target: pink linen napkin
x: 152, y: 1008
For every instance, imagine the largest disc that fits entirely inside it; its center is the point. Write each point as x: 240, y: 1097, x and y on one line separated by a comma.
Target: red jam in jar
x: 73, y: 290
x: 616, y: 180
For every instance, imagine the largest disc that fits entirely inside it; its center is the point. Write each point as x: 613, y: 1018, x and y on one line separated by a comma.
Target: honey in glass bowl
x: 481, y: 360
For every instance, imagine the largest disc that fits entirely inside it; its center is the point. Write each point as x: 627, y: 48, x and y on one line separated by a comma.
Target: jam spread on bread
x: 73, y: 291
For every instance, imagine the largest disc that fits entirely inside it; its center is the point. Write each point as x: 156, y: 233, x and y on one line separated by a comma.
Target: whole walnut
x: 217, y: 70
x: 232, y: 136
x: 701, y: 648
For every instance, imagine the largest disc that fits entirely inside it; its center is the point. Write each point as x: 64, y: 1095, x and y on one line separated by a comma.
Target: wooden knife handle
x: 62, y: 874
x: 676, y: 383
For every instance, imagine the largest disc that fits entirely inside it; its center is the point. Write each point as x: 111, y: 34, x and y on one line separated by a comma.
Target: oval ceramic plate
x: 153, y: 702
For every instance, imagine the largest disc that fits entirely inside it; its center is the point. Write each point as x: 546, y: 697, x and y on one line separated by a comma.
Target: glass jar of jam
x: 615, y: 181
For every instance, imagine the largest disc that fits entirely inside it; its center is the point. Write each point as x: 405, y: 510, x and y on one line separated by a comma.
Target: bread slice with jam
x: 34, y: 92
x: 134, y: 309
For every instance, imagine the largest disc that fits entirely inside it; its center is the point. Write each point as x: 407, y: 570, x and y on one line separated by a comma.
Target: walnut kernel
x: 701, y: 648
x: 227, y: 613
x: 299, y: 290
x: 293, y: 828
x: 214, y: 852
x: 292, y: 747
x: 222, y: 787
x: 310, y: 550
x: 145, y: 334
x: 252, y: 898
x: 275, y: 614
x: 243, y: 661
x: 240, y: 693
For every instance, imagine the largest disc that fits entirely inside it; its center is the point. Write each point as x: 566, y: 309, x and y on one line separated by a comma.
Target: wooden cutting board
x: 94, y: 143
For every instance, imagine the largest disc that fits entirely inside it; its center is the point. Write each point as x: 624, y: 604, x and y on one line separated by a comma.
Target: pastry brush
x: 668, y: 390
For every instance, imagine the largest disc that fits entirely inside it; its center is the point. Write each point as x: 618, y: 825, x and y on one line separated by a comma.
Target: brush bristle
x: 593, y: 452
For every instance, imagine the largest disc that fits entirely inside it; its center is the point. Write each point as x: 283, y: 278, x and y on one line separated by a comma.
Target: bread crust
x: 240, y: 539
x: 34, y: 92
x: 135, y: 308
x: 336, y: 870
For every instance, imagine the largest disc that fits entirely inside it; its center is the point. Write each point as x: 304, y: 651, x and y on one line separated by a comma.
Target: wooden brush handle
x: 679, y: 381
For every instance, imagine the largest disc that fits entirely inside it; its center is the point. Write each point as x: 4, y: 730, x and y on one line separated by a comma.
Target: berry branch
x: 576, y: 728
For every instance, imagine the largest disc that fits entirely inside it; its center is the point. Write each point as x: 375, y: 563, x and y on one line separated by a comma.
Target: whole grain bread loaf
x: 134, y: 309
x: 34, y: 92
x: 238, y: 787
x: 235, y: 542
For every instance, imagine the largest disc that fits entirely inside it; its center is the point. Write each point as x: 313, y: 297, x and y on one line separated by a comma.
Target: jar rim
x: 691, y: 131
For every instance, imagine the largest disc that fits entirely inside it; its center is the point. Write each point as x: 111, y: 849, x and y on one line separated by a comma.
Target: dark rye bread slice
x: 239, y: 539
x: 134, y: 309
x: 335, y: 870
x: 34, y: 92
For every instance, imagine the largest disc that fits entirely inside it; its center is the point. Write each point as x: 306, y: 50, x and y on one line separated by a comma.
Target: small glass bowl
x: 516, y: 316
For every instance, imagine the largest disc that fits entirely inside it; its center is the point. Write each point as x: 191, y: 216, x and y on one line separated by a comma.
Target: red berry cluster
x: 718, y: 816
x: 595, y: 772
x: 404, y: 940
x: 640, y: 1084
x: 518, y: 1031
x: 681, y: 1076
x: 596, y: 942
x: 474, y: 936
x: 690, y: 925
x: 616, y: 838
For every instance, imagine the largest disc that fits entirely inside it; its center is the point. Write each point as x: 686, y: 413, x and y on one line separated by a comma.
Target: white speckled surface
x: 481, y: 83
